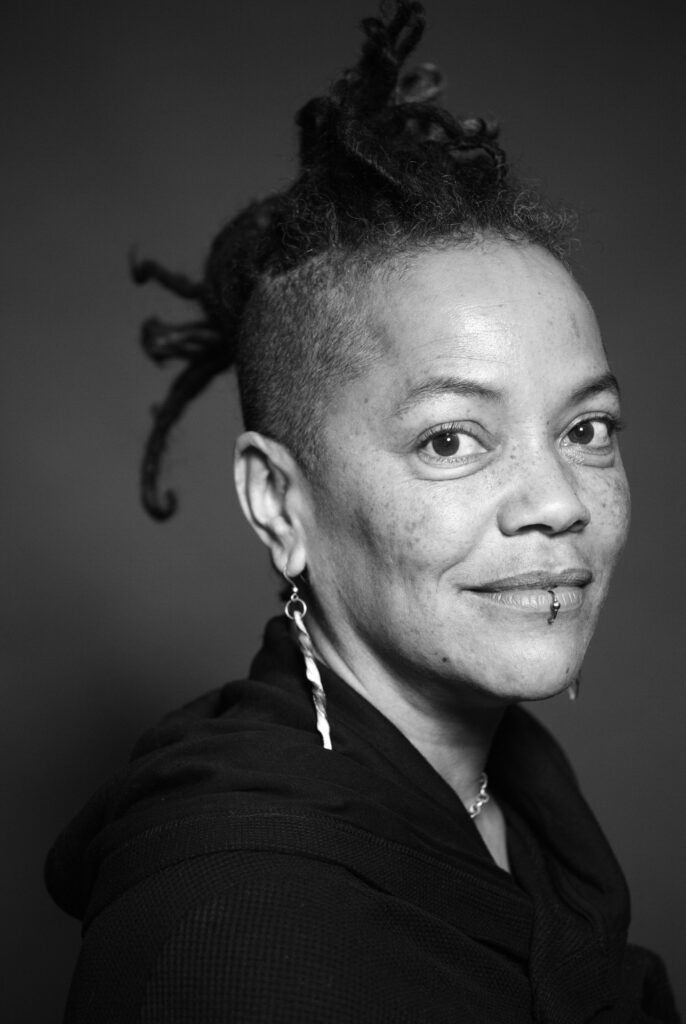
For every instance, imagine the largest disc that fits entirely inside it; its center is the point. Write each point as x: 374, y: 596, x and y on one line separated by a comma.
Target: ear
x: 272, y: 493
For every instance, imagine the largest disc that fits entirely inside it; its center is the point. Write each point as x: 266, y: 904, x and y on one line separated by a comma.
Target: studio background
x: 149, y: 124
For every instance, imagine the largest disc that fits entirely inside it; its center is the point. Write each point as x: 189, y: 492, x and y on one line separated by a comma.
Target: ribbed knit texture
x: 237, y: 872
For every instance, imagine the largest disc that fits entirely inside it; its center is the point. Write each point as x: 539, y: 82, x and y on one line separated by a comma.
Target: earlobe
x: 269, y: 487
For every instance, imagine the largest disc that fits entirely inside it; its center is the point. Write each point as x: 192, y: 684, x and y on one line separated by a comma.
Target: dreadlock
x: 384, y: 173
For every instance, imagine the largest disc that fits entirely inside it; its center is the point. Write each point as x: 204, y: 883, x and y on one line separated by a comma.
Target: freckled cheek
x: 393, y: 536
x: 417, y: 539
x: 396, y: 535
x: 611, y: 513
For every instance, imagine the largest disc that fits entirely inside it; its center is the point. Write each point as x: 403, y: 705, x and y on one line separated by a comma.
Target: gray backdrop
x: 150, y: 123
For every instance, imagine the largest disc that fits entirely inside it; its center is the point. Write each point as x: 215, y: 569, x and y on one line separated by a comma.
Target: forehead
x: 493, y: 310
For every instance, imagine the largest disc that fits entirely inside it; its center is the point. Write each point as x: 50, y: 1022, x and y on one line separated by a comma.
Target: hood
x: 250, y: 751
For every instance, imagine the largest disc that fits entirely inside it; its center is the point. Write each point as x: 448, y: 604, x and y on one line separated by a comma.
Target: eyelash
x: 613, y: 424
x: 452, y: 427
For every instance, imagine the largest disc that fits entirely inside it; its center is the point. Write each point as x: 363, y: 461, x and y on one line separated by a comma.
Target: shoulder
x: 263, y: 936
x: 246, y: 936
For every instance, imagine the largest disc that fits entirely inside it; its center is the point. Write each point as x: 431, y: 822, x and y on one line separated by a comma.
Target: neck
x: 447, y: 724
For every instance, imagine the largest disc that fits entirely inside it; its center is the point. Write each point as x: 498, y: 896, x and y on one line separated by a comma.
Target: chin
x: 534, y: 669
x: 545, y: 689
x: 539, y: 675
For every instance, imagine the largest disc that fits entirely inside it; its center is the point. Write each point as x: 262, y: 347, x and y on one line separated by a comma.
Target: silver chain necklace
x: 481, y: 799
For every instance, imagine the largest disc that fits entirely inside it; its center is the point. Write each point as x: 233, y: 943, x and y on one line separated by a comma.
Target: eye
x: 449, y: 443
x: 445, y: 444
x: 594, y: 433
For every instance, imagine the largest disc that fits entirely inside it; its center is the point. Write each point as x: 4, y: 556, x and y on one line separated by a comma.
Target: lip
x: 530, y: 592
x: 538, y: 579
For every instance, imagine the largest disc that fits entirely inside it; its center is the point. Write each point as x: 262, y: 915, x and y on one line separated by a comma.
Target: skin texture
x: 399, y: 531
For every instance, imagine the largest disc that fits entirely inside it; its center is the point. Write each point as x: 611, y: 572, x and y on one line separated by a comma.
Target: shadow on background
x: 152, y: 123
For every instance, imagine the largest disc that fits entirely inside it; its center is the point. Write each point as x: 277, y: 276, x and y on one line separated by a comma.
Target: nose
x: 543, y: 495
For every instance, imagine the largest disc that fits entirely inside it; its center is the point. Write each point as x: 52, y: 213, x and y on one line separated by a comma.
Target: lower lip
x: 534, y: 601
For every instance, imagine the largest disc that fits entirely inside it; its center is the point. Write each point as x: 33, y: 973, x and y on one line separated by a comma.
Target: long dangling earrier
x: 295, y: 610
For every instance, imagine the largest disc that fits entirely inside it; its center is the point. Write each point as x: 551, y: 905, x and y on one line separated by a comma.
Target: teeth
x: 537, y: 600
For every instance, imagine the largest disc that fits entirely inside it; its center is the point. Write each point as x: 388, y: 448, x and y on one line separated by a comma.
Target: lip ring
x: 554, y: 606
x: 533, y: 600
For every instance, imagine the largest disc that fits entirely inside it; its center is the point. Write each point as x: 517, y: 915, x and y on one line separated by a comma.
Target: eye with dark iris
x: 452, y: 445
x: 446, y: 443
x: 582, y: 433
x: 595, y: 433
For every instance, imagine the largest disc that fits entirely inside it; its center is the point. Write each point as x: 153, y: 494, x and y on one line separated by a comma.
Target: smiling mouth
x: 531, y: 591
x: 539, y: 579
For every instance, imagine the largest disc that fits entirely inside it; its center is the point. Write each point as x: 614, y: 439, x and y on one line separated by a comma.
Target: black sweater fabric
x: 236, y: 871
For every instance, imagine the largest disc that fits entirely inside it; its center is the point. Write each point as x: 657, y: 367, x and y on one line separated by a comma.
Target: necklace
x: 482, y: 797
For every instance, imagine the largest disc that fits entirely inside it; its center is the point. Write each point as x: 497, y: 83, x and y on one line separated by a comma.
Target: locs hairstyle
x: 384, y: 173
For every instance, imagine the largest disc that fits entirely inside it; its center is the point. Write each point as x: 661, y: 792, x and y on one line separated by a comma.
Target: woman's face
x: 473, y: 469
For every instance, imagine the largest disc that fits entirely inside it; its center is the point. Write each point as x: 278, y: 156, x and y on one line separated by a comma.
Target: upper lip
x: 540, y: 579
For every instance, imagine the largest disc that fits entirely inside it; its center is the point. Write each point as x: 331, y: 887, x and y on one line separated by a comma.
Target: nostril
x: 549, y: 504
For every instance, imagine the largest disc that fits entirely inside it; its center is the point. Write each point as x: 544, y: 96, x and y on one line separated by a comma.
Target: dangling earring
x: 574, y: 687
x: 295, y: 610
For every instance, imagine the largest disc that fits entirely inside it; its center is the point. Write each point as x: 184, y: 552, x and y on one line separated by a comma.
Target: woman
x: 369, y: 828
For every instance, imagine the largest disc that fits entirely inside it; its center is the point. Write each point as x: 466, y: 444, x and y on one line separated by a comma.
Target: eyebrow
x: 434, y: 386
x: 466, y: 388
x: 606, y: 382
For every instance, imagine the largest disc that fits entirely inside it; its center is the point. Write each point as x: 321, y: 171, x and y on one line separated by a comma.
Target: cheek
x: 612, y: 513
x: 413, y: 536
x: 354, y: 529
x: 391, y: 533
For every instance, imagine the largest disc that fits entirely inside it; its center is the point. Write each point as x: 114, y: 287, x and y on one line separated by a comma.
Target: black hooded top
x: 236, y: 871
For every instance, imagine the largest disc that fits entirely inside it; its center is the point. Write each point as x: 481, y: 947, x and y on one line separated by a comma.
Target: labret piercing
x: 554, y: 607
